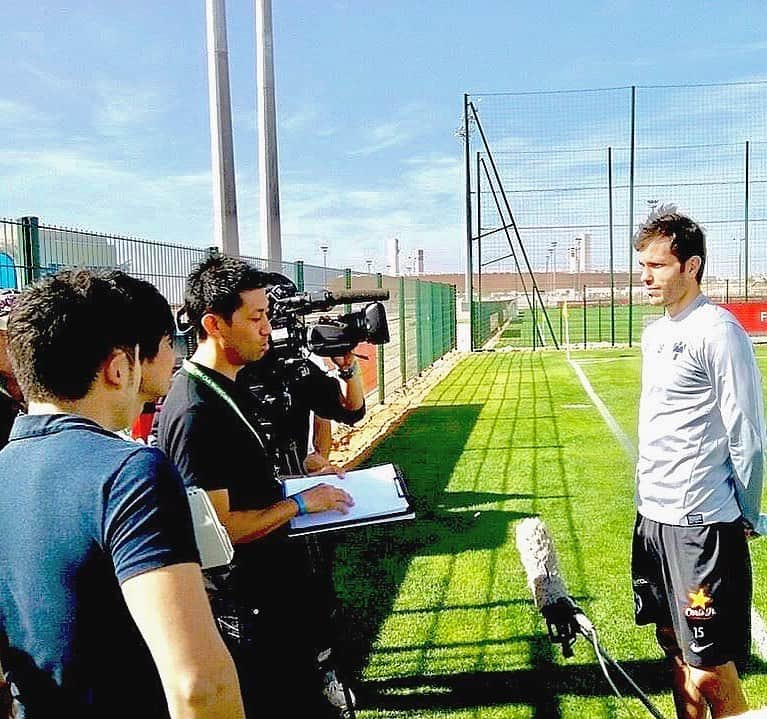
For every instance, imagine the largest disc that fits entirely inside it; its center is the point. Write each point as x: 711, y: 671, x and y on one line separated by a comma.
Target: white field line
x: 615, y: 428
x: 758, y: 626
x: 758, y: 634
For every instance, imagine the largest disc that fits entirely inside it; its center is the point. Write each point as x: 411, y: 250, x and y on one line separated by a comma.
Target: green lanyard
x: 195, y: 372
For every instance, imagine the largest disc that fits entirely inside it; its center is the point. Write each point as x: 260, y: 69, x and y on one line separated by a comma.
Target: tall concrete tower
x: 392, y: 256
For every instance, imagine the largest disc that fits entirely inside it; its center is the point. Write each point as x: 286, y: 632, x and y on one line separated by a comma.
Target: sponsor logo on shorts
x: 693, y: 519
x: 700, y: 606
x: 699, y: 648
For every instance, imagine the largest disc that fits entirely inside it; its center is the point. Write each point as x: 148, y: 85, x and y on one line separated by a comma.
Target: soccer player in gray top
x: 699, y: 473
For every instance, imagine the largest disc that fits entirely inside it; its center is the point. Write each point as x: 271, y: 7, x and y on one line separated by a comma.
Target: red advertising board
x: 752, y: 315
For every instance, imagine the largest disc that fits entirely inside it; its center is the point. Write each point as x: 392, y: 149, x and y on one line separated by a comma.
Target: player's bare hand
x: 325, y: 497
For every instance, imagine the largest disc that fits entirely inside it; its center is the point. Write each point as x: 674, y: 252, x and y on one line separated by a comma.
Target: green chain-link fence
x: 421, y: 315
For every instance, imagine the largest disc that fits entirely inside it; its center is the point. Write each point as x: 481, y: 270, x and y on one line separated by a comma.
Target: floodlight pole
x: 324, y: 250
x: 468, y: 288
x: 631, y: 214
x: 479, y: 241
x: 268, y: 170
x: 225, y: 233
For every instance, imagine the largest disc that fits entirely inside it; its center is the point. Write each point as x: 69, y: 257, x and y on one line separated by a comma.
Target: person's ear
x: 693, y: 265
x: 116, y: 368
x: 210, y: 323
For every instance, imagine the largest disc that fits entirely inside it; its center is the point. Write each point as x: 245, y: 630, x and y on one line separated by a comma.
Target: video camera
x: 329, y: 336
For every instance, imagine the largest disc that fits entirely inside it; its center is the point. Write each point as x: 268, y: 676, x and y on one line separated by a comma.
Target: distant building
x: 579, y: 255
x: 392, y: 257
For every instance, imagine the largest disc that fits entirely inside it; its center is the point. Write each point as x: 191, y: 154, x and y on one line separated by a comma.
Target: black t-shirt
x: 310, y: 389
x: 214, y: 448
x: 211, y: 445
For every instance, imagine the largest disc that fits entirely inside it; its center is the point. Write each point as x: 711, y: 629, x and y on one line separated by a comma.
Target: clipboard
x: 380, y: 496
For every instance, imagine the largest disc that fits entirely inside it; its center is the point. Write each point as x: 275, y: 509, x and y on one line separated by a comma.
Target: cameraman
x: 205, y: 426
x: 288, y: 390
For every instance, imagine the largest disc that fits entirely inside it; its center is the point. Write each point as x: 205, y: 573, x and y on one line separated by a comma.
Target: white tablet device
x: 213, y: 542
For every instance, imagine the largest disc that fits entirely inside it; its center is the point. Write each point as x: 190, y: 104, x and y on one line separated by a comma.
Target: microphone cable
x: 604, y: 659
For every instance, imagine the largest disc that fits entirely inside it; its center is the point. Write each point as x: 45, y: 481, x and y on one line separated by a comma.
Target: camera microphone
x: 350, y: 296
x: 564, y: 618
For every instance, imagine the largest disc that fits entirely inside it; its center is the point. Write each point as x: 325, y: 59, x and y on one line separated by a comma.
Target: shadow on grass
x: 372, y: 561
x: 539, y: 688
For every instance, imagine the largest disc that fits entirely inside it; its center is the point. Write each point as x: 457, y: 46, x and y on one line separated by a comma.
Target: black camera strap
x: 192, y: 369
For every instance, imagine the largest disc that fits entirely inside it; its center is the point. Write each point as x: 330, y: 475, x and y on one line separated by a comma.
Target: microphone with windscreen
x: 565, y: 620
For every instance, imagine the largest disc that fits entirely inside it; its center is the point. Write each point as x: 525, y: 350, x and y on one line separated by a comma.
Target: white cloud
x: 382, y: 137
x: 13, y: 113
x: 121, y: 109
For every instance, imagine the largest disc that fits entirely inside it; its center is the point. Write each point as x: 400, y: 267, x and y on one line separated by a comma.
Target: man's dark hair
x: 154, y: 314
x: 66, y: 325
x: 214, y: 286
x: 686, y: 235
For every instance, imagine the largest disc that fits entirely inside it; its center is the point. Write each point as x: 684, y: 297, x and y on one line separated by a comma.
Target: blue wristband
x: 299, y: 500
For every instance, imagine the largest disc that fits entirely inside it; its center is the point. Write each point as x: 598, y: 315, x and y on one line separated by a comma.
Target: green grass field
x: 440, y: 621
x: 599, y: 321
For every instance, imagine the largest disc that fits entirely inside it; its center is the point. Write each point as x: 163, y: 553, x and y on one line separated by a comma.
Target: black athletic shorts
x: 698, y: 581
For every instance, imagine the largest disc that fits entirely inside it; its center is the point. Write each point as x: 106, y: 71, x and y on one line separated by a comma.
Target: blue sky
x: 104, y: 119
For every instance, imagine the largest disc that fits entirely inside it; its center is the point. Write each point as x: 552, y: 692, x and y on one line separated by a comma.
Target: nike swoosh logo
x: 697, y: 648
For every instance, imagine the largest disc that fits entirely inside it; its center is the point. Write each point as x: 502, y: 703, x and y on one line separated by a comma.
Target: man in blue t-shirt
x: 103, y: 612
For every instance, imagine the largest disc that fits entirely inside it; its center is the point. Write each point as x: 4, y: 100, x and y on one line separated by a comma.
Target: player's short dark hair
x: 66, y: 325
x: 214, y: 286
x: 687, y: 237
x: 155, y: 316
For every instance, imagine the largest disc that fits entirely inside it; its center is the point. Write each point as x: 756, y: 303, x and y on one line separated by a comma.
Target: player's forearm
x: 353, y: 397
x: 247, y: 526
x: 322, y: 436
x: 748, y: 469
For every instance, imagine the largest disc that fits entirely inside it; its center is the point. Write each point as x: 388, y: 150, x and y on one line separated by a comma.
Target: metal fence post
x: 348, y: 285
x: 30, y: 247
x: 610, y: 222
x: 745, y: 226
x: 468, y: 293
x: 402, y: 335
x: 584, y: 317
x: 480, y: 333
x: 631, y: 212
x: 418, y: 326
x: 454, y: 317
x: 380, y: 353
x: 599, y: 319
